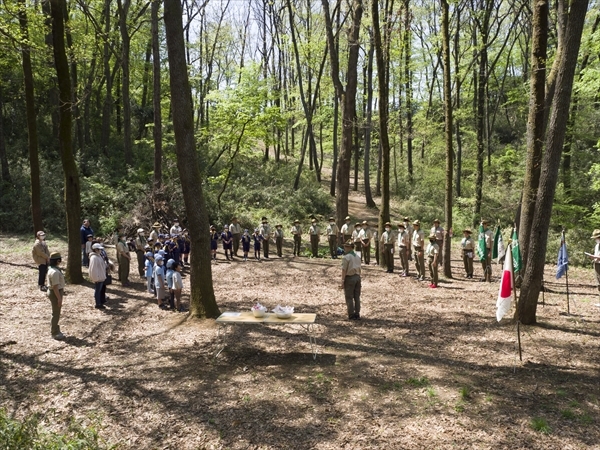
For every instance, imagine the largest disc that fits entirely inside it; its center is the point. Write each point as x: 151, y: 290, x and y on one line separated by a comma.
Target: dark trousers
x: 597, y: 270
x: 352, y: 287
x: 403, y: 254
x: 266, y: 248
x: 279, y: 245
x: 85, y: 258
x: 141, y: 259
x: 123, y: 269
x: 332, y: 245
x: 54, y: 327
x: 468, y: 262
x: 297, y: 242
x: 314, y: 244
x: 346, y: 238
x: 98, y: 296
x: 236, y: 243
x: 433, y: 270
x: 486, y: 265
x: 388, y: 256
x: 42, y: 271
x: 419, y: 262
x: 366, y: 253
x: 440, y: 244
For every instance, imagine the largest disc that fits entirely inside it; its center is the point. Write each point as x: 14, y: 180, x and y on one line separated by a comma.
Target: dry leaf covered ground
x: 423, y: 369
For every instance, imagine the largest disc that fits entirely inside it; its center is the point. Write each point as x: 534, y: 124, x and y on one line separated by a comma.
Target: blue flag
x: 563, y: 260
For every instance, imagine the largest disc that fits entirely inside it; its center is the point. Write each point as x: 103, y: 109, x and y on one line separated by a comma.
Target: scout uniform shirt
x: 278, y: 233
x: 55, y: 278
x: 418, y: 239
x: 351, y: 264
x: 439, y: 233
x: 332, y: 230
x: 153, y: 235
x: 365, y: 234
x: 403, y: 239
x: 314, y: 230
x: 265, y: 231
x: 489, y: 238
x: 235, y: 228
x: 432, y: 250
x: 355, y: 235
x: 346, y: 230
x: 388, y: 237
x: 296, y: 230
x: 467, y: 244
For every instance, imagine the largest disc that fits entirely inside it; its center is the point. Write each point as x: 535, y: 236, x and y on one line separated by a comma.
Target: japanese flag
x: 506, y: 287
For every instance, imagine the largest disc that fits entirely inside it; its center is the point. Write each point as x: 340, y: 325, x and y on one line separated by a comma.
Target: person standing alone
x: 41, y: 256
x: 56, y: 292
x: 351, y: 282
x: 297, y: 234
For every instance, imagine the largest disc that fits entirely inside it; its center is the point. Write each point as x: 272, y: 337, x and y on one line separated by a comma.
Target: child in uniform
x: 246, y: 238
x: 227, y: 241
x: 467, y: 246
x: 159, y: 281
x: 170, y: 264
x: 177, y: 286
x: 214, y: 241
x: 257, y: 240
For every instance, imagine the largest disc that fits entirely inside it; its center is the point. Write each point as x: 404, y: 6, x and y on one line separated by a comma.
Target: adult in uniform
x: 332, y: 237
x: 175, y: 229
x: 314, y: 232
x: 468, y: 246
x: 433, y: 252
x: 236, y: 234
x: 41, y: 256
x: 140, y: 245
x: 123, y: 259
x: 154, y: 233
x: 418, y: 242
x: 346, y: 230
x: 486, y: 264
x: 365, y: 235
x: 265, y: 231
x: 439, y: 238
x: 279, y: 239
x: 403, y: 248
x: 409, y: 230
x: 296, y: 231
x: 56, y: 292
x: 388, y: 238
x: 356, y: 238
x: 351, y: 283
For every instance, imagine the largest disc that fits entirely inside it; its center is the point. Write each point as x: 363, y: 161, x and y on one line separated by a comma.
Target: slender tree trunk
x: 125, y: 81
x: 71, y: 173
x: 448, y: 129
x: 3, y: 158
x: 384, y: 142
x: 457, y: 81
x: 408, y: 89
x: 203, y: 303
x: 156, y: 97
x: 34, y: 164
x: 557, y: 125
x: 535, y: 123
x: 108, y: 101
x: 143, y: 117
x: 336, y: 116
x: 369, y: 126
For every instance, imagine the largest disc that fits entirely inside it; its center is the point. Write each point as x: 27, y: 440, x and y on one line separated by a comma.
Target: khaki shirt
x: 332, y: 230
x: 432, y: 250
x: 355, y: 235
x: 140, y: 242
x: 418, y: 238
x: 388, y: 237
x: 153, y: 235
x: 351, y: 264
x: 265, y: 230
x: 365, y: 234
x: 296, y: 230
x: 489, y: 238
x: 346, y: 230
x: 467, y: 244
x: 55, y: 277
x: 235, y: 228
x: 278, y: 233
x: 314, y: 230
x: 122, y: 248
x: 403, y: 239
x: 439, y: 233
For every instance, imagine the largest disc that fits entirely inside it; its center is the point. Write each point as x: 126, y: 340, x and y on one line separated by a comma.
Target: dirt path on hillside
x: 423, y: 369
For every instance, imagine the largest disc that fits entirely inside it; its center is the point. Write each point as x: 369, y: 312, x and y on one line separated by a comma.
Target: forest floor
x: 423, y: 368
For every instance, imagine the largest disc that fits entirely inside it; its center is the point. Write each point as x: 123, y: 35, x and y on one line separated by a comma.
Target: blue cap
x: 158, y: 258
x: 149, y: 255
x: 170, y: 263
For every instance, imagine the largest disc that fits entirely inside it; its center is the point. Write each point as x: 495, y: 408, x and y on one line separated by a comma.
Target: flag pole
x: 566, y: 275
x: 512, y: 274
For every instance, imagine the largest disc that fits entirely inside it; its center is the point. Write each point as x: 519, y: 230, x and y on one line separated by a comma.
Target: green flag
x: 516, y: 253
x: 497, y: 238
x: 481, y: 247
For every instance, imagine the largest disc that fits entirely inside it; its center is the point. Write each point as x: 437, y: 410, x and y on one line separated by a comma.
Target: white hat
x: 140, y: 230
x: 40, y: 233
x: 97, y: 247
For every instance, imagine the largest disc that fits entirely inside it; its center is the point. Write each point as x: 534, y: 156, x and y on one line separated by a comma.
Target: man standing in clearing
x: 388, y: 239
x: 83, y: 232
x: 41, y: 256
x: 346, y: 230
x: 332, y: 237
x: 351, y: 280
x: 236, y: 234
x: 124, y: 259
x: 140, y: 245
x: 297, y: 234
x: 403, y: 248
x: 486, y: 263
x: 265, y: 232
x: 365, y: 235
x: 314, y: 232
x: 418, y: 241
x: 56, y: 291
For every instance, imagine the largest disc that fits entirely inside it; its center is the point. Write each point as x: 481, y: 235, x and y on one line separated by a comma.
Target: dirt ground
x: 423, y: 369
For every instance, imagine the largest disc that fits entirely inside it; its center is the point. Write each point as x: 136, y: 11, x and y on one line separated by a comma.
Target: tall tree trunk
x: 203, y: 303
x: 336, y: 113
x: 125, y: 81
x: 535, y: 123
x: 108, y: 101
x: 369, y: 126
x: 3, y: 158
x: 156, y: 97
x: 458, y: 82
x: 448, y: 129
x: 74, y: 81
x: 71, y: 173
x: 557, y: 125
x: 145, y: 82
x: 34, y: 164
x: 384, y: 142
x: 407, y: 43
